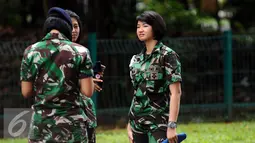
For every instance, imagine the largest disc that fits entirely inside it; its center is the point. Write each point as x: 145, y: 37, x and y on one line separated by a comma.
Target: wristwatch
x: 172, y: 125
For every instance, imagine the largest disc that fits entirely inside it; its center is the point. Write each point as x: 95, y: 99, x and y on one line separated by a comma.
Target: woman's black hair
x: 74, y: 15
x: 155, y: 21
x: 59, y: 24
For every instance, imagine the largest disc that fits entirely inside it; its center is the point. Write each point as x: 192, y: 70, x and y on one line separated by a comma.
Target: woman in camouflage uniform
x: 51, y: 70
x: 89, y: 106
x: 156, y: 77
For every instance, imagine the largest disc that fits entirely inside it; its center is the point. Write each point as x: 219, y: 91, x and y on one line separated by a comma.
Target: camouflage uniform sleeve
x: 27, y: 69
x: 172, y: 68
x: 86, y: 65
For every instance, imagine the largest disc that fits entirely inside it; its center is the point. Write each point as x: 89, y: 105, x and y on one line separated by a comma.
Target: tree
x: 180, y: 17
x: 243, y: 19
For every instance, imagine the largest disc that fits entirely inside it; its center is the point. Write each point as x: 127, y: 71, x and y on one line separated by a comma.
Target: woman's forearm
x: 174, y: 107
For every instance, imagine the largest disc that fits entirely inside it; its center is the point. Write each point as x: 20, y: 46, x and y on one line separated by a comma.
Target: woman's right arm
x: 86, y: 74
x: 130, y: 133
x: 87, y: 86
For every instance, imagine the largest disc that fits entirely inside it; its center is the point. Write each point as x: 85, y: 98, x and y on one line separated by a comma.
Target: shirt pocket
x: 155, y: 79
x: 155, y: 72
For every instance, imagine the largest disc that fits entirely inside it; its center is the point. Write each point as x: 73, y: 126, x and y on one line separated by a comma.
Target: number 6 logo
x: 14, y: 122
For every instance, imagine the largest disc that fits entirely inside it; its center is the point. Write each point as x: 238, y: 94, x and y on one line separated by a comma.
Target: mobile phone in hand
x: 99, y: 72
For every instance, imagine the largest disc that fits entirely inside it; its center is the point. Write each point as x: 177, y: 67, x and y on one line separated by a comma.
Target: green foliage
x: 124, y: 19
x: 10, y: 12
x: 179, y: 19
x: 175, y: 15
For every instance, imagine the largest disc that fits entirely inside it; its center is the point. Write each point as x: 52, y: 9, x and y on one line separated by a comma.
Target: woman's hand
x: 172, y: 135
x: 96, y: 86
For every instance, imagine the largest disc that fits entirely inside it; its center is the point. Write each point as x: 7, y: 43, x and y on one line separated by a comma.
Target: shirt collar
x: 59, y: 36
x: 156, y: 49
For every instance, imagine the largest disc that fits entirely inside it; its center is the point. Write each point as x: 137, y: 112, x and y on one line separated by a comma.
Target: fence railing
x: 217, y: 72
x: 203, y: 69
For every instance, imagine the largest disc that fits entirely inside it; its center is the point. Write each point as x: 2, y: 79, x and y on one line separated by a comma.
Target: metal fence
x: 203, y: 73
x: 206, y: 67
x: 202, y: 70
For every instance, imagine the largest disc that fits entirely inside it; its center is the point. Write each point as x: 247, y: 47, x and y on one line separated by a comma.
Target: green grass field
x: 237, y: 132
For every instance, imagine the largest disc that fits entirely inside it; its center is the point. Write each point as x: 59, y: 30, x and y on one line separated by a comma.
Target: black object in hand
x: 98, y: 72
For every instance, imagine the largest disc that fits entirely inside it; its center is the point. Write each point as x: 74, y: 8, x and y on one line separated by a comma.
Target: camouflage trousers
x: 148, y: 131
x: 156, y: 136
x: 91, y: 135
x: 57, y: 129
x: 90, y: 111
x: 149, y: 128
x: 60, y: 135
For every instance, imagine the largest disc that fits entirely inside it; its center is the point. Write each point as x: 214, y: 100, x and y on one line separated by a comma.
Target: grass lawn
x: 237, y: 132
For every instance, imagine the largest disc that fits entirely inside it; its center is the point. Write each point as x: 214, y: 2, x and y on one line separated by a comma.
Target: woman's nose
x: 140, y: 29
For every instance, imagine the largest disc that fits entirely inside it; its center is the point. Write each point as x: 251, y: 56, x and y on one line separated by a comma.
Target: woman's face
x: 76, y: 30
x: 144, y: 31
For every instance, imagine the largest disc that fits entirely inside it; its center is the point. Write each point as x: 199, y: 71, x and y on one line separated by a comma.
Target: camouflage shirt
x: 55, y: 65
x: 151, y: 76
